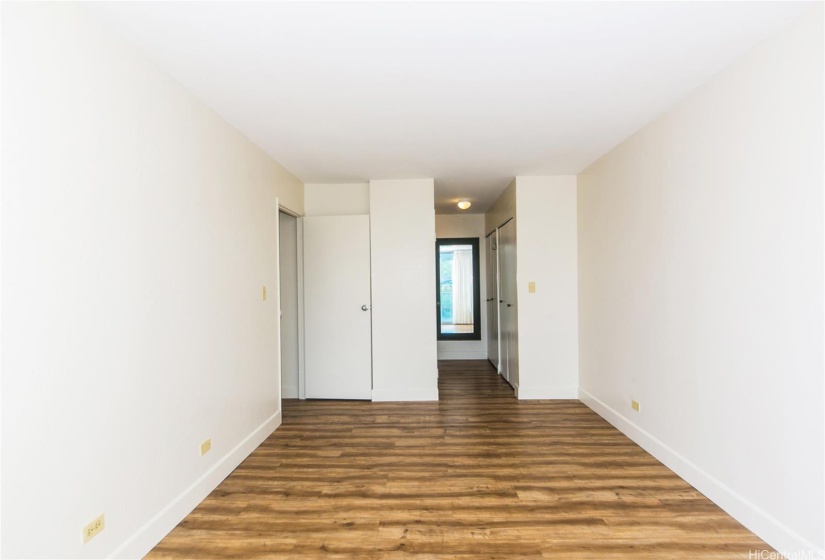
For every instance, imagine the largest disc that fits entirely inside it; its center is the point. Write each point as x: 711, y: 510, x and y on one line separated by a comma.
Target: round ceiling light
x: 464, y: 204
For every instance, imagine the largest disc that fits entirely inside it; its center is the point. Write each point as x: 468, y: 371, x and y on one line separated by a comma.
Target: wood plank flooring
x: 478, y: 474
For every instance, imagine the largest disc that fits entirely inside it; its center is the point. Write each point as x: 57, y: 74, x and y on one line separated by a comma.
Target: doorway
x: 288, y: 277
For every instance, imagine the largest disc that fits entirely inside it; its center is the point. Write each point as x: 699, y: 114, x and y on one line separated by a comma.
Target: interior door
x: 492, y: 300
x: 337, y: 308
x: 508, y: 302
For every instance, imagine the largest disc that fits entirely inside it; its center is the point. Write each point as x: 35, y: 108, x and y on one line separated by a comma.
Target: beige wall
x: 337, y: 199
x: 459, y: 225
x: 138, y: 231
x: 701, y: 287
x: 502, y: 209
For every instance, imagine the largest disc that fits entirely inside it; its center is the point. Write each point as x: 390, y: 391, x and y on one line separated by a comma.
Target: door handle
x: 509, y: 305
x: 365, y: 308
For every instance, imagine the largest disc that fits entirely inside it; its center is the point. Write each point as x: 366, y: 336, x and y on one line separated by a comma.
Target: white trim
x: 764, y: 525
x: 497, y: 302
x: 525, y: 392
x: 299, y: 226
x: 289, y: 391
x: 402, y: 394
x: 145, y: 538
x: 279, y: 311
x: 288, y: 211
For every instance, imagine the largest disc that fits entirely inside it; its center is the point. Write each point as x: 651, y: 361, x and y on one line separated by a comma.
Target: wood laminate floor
x: 478, y: 474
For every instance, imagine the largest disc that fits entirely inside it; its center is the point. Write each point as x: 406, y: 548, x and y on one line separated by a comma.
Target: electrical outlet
x: 635, y: 406
x: 264, y: 293
x: 531, y: 287
x: 206, y: 446
x: 93, y: 528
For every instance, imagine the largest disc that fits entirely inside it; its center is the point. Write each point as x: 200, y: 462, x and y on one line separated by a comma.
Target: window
x: 457, y: 289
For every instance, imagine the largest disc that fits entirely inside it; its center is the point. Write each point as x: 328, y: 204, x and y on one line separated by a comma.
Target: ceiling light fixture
x: 464, y: 204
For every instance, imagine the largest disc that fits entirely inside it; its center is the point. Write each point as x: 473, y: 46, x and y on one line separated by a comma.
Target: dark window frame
x: 474, y: 243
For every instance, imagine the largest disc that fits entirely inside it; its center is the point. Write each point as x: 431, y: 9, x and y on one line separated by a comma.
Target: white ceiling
x: 469, y: 93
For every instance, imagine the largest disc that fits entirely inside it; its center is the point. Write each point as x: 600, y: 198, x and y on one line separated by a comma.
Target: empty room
x: 412, y: 279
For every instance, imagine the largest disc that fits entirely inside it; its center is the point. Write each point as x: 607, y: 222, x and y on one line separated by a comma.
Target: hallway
x: 478, y: 474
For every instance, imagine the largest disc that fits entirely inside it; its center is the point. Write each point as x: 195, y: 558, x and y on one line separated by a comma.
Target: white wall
x: 546, y: 254
x: 402, y: 239
x: 548, y: 318
x: 288, y: 276
x: 138, y: 230
x: 337, y: 199
x: 701, y: 287
x: 466, y: 225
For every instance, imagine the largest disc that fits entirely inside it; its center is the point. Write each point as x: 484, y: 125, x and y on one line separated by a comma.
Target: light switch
x: 531, y: 287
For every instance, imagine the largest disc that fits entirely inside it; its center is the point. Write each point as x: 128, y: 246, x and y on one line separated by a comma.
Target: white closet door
x: 492, y: 300
x: 337, y: 308
x: 508, y: 302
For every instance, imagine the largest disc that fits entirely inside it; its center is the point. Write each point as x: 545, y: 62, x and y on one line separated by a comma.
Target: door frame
x: 492, y: 237
x: 302, y: 386
x: 512, y: 374
x: 299, y: 266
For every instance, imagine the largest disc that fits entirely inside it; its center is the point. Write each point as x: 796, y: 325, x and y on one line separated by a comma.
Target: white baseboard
x: 525, y: 392
x: 145, y: 539
x: 764, y: 525
x: 402, y: 394
x: 289, y: 392
x: 462, y: 355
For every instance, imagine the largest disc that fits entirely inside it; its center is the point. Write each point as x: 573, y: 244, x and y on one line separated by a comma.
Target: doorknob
x: 364, y: 308
x: 509, y: 305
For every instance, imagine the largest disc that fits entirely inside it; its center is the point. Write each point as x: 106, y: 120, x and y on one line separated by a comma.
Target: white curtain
x: 463, y: 287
